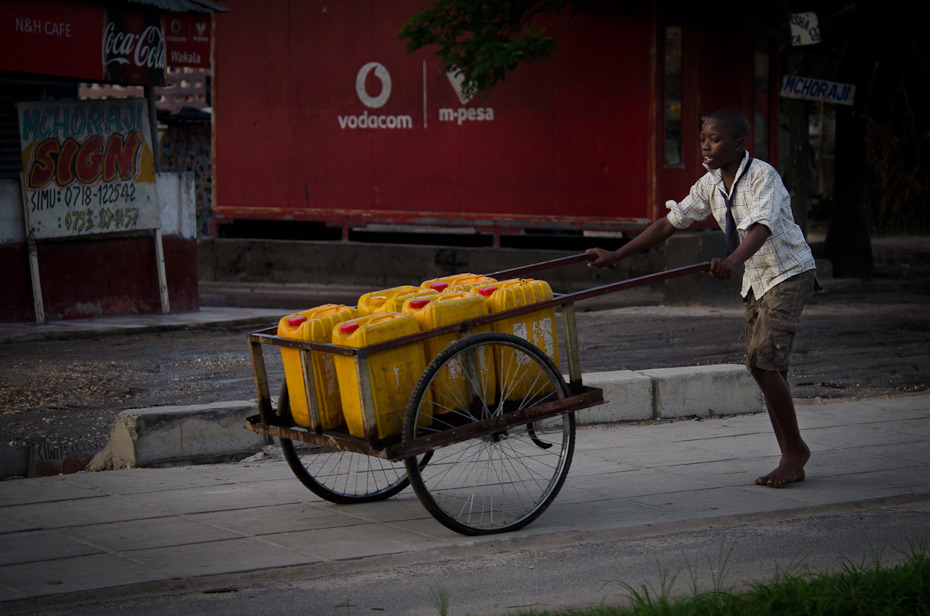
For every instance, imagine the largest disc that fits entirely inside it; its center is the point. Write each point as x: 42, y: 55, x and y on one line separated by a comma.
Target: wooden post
x: 162, y: 280
x: 33, y: 250
x: 149, y: 92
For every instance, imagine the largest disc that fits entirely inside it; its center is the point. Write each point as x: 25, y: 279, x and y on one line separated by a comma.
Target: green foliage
x: 483, y: 40
x: 440, y: 599
x: 868, y: 589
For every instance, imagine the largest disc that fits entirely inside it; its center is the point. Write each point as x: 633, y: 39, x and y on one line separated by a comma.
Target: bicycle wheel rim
x: 503, y: 481
x: 339, y: 476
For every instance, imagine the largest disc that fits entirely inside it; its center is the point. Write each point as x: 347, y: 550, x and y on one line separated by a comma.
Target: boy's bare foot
x: 789, y: 470
x: 778, y: 479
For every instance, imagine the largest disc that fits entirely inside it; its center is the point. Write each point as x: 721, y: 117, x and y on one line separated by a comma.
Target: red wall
x: 569, y: 139
x: 99, y: 278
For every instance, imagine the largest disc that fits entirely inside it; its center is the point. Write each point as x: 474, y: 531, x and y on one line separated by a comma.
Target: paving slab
x: 221, y: 557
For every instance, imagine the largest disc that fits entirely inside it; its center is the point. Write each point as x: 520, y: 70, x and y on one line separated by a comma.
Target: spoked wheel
x: 341, y: 476
x: 495, y: 482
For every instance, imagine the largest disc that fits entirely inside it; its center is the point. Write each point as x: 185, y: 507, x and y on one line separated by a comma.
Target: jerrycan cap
x: 296, y: 320
x: 487, y: 291
x: 418, y: 303
x: 349, y: 327
x: 439, y: 286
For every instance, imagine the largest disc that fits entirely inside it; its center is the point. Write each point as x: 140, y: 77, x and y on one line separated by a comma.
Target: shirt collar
x: 718, y: 175
x: 739, y: 172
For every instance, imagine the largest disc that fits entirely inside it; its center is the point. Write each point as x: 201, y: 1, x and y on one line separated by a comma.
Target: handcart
x: 489, y: 460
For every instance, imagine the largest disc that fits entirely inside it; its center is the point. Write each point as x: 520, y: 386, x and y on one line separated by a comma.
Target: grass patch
x: 869, y: 589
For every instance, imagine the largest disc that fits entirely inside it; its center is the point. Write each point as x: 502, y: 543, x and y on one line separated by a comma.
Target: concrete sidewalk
x: 127, y: 532
x: 206, y: 316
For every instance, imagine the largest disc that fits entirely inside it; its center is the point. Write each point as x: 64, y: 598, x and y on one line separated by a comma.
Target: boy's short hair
x: 734, y: 120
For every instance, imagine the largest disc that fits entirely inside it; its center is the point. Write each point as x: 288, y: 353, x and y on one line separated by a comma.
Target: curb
x: 205, y: 433
x: 178, y: 435
x: 670, y: 393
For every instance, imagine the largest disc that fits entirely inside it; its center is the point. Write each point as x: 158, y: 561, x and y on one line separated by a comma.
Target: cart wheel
x: 499, y: 482
x: 339, y: 476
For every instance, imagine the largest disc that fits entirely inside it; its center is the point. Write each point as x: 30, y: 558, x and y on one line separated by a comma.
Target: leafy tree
x: 484, y: 40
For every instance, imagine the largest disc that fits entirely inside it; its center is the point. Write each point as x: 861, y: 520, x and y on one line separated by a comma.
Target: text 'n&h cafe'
x: 81, y: 198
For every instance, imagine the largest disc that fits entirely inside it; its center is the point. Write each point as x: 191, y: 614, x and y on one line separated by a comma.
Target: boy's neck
x: 728, y: 171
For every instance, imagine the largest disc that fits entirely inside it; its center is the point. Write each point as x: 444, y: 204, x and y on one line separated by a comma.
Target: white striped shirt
x: 760, y: 197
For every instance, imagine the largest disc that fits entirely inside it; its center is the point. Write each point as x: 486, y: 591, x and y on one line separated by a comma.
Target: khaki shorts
x: 772, y: 322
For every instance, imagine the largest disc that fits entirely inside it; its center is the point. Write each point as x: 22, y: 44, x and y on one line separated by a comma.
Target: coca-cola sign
x: 134, y: 47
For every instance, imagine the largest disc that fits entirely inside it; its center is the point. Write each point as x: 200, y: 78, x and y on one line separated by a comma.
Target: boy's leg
x: 770, y: 327
x: 794, y: 451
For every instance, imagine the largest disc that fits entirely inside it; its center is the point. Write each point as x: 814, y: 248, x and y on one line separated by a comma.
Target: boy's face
x: 719, y: 147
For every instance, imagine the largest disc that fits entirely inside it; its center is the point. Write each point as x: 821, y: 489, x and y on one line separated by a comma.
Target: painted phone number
x: 104, y: 219
x: 82, y: 196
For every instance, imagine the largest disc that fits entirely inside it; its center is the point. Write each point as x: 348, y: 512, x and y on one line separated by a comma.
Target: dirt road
x: 858, y: 340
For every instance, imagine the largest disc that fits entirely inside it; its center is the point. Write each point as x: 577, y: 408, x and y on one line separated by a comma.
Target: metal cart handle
x: 535, y: 267
x: 602, y: 290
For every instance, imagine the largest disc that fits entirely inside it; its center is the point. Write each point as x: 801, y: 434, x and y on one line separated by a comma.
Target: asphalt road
x: 569, y: 570
x: 859, y: 340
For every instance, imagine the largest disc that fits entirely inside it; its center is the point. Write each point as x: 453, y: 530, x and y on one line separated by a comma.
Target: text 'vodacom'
x: 373, y: 120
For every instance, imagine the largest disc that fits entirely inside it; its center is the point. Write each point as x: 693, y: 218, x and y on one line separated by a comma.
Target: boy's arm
x: 722, y: 269
x: 657, y: 232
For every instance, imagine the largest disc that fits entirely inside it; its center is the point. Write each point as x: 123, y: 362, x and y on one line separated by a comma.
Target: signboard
x: 811, y: 89
x: 94, y: 42
x: 88, y: 168
x: 187, y: 36
x: 805, y: 29
x: 52, y: 38
x: 133, y: 47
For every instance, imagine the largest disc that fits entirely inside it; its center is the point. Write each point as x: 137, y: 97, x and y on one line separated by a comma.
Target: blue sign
x: 811, y: 89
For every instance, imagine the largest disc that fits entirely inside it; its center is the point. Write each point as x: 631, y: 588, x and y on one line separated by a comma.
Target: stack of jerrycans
x: 375, y: 390
x: 536, y: 327
x: 458, y: 282
x: 396, y: 303
x: 380, y: 301
x: 453, y: 386
x: 314, y: 325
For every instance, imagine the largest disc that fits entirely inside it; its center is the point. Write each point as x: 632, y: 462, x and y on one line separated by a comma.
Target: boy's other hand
x: 721, y: 269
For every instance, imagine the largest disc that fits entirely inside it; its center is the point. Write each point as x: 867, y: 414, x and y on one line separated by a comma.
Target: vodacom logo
x: 374, y: 121
x: 373, y: 102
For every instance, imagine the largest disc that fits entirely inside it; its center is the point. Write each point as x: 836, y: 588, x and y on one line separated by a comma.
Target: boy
x: 779, y: 268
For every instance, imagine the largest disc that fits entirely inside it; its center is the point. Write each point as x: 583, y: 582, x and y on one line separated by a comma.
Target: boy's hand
x: 602, y: 258
x: 721, y: 269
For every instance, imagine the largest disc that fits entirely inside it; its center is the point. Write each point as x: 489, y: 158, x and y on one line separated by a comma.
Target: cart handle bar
x: 590, y: 256
x: 602, y: 290
x: 535, y: 267
x: 635, y: 282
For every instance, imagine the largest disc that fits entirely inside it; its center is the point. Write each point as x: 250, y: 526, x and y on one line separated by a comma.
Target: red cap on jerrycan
x: 486, y: 291
x: 439, y: 286
x: 296, y: 320
x: 418, y: 303
x: 349, y: 327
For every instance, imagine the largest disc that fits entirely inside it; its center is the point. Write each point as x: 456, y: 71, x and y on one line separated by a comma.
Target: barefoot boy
x: 779, y: 268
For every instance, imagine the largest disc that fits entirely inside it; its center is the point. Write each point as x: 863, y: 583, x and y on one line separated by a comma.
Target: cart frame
x: 403, y: 448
